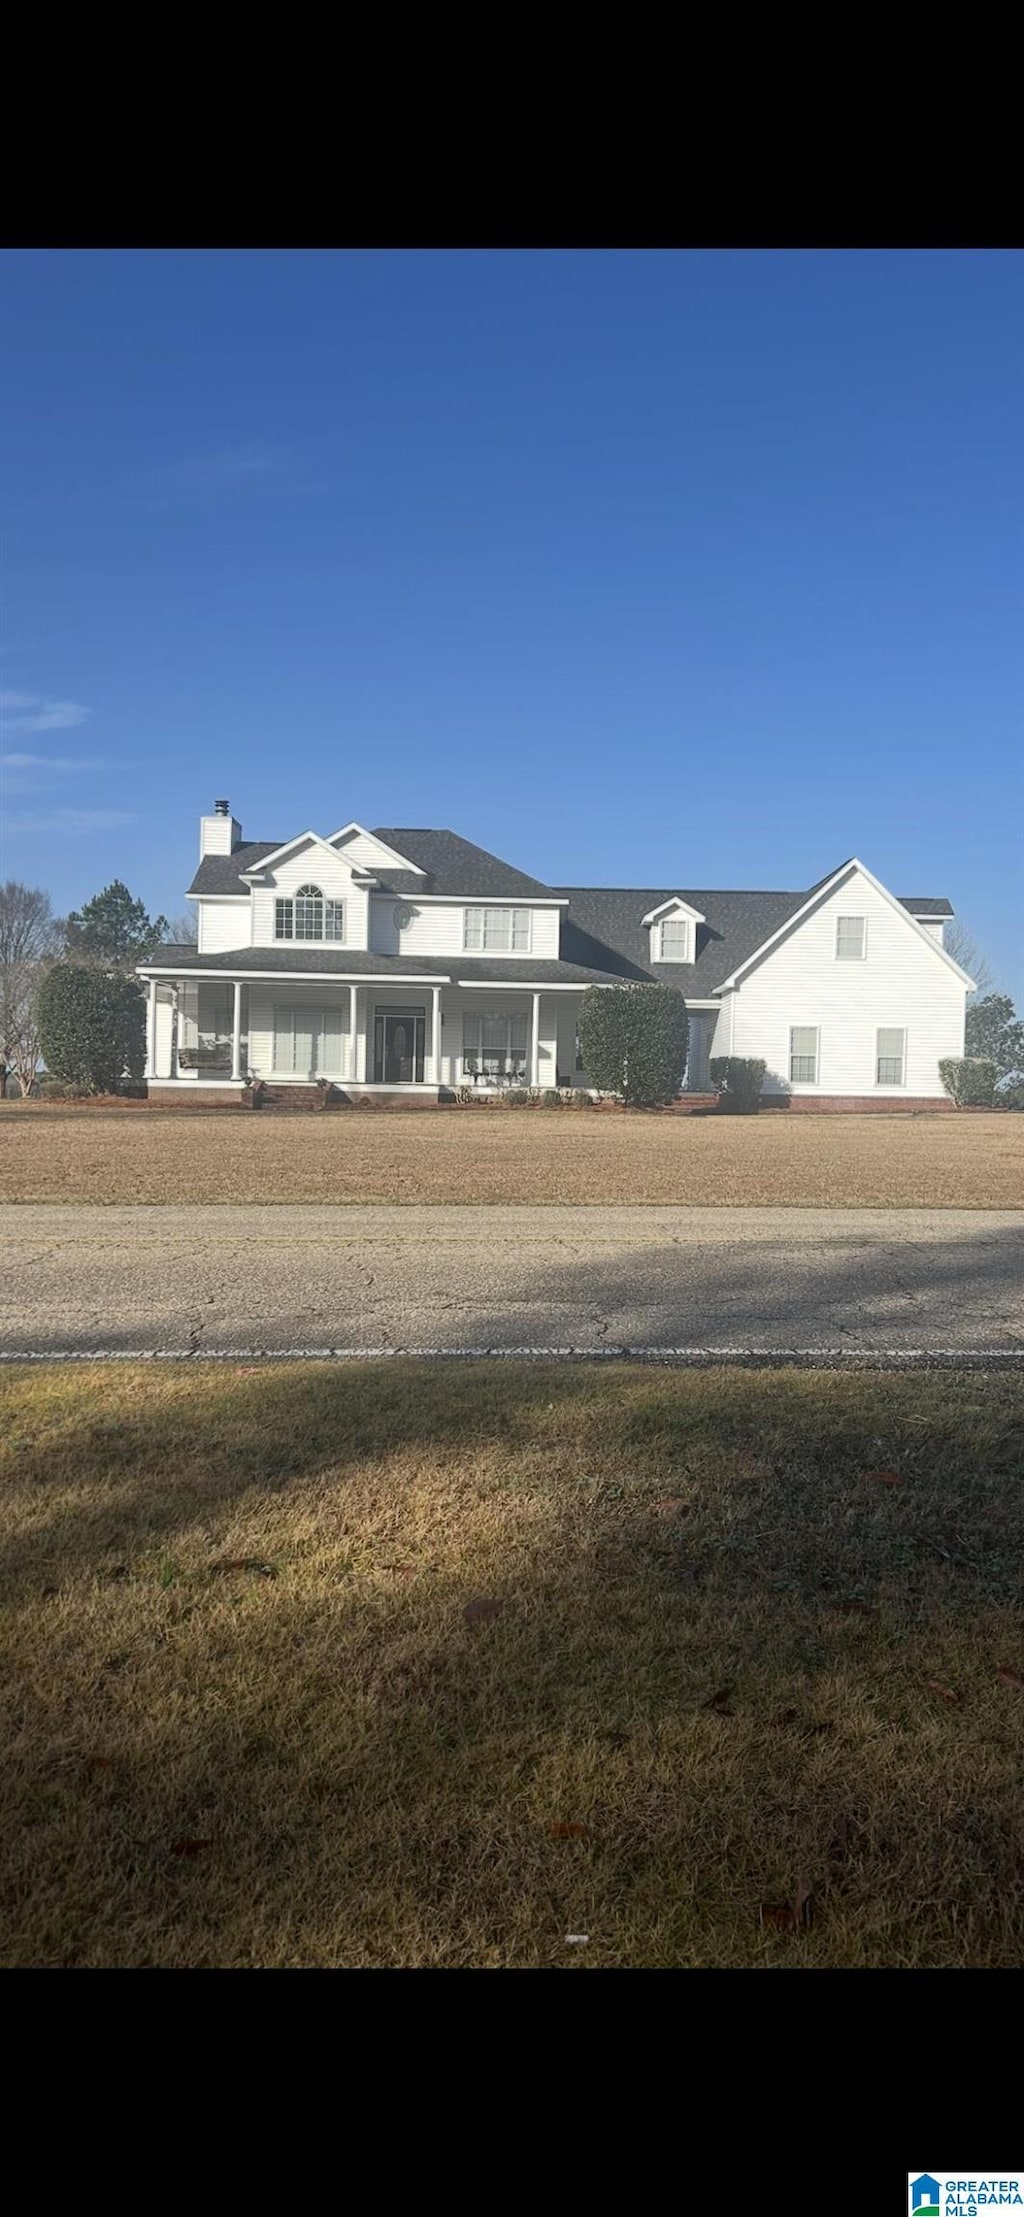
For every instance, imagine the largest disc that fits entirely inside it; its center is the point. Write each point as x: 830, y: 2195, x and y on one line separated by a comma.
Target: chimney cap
x: 221, y: 808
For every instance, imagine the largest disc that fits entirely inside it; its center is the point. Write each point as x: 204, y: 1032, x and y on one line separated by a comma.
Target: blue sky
x: 691, y: 568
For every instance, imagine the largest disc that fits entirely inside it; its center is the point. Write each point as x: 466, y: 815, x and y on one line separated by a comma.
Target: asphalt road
x: 691, y: 1283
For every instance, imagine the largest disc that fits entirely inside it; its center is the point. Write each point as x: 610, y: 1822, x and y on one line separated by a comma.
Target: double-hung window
x: 308, y: 915
x: 851, y: 938
x: 494, y: 931
x: 803, y: 1054
x: 493, y: 1045
x: 674, y: 939
x: 890, y: 1055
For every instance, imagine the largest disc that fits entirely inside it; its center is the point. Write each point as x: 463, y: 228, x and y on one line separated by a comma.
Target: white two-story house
x: 413, y: 962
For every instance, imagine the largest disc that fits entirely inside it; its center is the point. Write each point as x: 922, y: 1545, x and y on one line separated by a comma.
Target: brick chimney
x: 219, y: 833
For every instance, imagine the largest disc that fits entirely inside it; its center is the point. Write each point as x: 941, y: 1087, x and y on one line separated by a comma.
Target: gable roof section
x: 455, y: 865
x: 399, y: 862
x: 604, y: 925
x: 817, y: 894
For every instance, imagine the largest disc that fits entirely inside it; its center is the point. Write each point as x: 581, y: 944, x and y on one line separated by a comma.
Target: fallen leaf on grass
x: 479, y: 1612
x: 99, y: 1762
x: 189, y: 1847
x: 244, y: 1562
x: 883, y: 1477
x: 670, y: 1505
x: 783, y: 1717
x: 945, y: 1693
x: 568, y: 1832
x: 1008, y: 1676
x: 851, y: 1605
x: 720, y: 1702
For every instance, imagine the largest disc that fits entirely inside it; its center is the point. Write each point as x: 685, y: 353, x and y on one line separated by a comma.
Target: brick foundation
x: 857, y: 1104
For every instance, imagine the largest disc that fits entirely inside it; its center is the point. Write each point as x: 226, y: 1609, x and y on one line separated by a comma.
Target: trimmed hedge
x: 92, y: 1028
x: 633, y: 1039
x: 737, y: 1078
x: 970, y: 1080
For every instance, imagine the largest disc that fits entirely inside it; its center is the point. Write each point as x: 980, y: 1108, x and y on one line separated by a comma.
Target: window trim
x: 484, y: 909
x: 331, y: 907
x: 794, y: 1055
x: 900, y: 1082
x: 842, y: 954
x: 658, y: 931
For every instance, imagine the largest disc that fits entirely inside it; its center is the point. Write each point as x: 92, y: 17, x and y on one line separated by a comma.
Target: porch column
x: 435, y: 1038
x: 353, y: 1042
x: 151, y: 1028
x: 236, y: 1032
x: 535, y: 1043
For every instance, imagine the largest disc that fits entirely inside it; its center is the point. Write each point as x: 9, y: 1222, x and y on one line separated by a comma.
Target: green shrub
x: 737, y: 1079
x: 92, y: 1028
x: 551, y: 1098
x: 1010, y: 1096
x: 970, y: 1080
x: 633, y: 1039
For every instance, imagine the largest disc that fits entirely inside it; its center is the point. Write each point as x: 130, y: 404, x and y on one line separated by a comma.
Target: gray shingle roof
x: 455, y: 865
x: 604, y: 925
x: 221, y: 873
x: 353, y: 962
x: 611, y: 918
x: 603, y: 935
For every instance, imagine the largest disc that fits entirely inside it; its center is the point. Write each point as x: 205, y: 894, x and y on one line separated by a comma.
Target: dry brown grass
x: 254, y: 1717
x: 49, y: 1153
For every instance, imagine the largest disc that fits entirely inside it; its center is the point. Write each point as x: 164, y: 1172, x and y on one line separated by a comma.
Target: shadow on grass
x: 716, y: 1659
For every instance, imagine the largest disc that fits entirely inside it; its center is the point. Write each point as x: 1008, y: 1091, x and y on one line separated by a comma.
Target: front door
x: 398, y: 1041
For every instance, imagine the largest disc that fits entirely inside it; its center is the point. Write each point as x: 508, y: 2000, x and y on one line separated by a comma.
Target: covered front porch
x: 224, y: 1033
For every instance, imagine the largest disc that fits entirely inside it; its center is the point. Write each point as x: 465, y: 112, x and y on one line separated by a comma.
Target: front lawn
x: 49, y: 1152
x: 401, y: 1665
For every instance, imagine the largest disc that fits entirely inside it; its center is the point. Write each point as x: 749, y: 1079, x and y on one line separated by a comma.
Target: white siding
x: 223, y: 925
x: 901, y: 982
x: 311, y: 866
x: 438, y: 928
x: 935, y: 926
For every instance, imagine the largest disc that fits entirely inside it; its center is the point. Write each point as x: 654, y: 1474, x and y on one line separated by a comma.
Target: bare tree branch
x: 30, y: 937
x: 959, y: 941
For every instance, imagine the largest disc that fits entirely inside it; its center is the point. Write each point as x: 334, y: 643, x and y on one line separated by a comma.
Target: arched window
x: 309, y: 912
x: 308, y: 916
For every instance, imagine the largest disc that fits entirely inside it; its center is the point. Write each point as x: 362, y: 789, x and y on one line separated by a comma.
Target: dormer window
x: 675, y: 939
x: 673, y: 930
x: 307, y: 915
